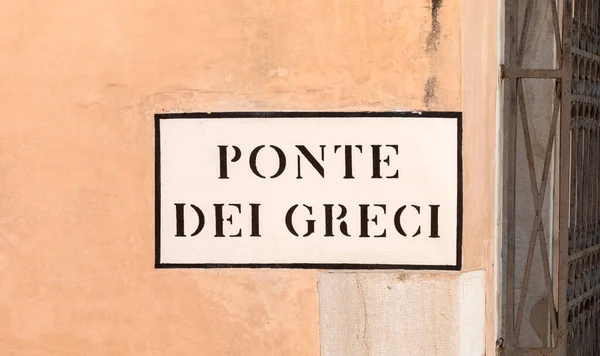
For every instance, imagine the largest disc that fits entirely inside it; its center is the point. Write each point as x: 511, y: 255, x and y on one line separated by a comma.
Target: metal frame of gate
x: 571, y: 267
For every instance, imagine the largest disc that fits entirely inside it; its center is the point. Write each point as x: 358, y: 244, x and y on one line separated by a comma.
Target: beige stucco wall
x: 80, y: 82
x: 480, y: 60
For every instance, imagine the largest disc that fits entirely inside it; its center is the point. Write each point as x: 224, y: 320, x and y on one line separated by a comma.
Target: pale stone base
x: 402, y: 313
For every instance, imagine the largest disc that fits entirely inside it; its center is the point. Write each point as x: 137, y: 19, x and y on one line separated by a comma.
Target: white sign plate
x: 359, y: 190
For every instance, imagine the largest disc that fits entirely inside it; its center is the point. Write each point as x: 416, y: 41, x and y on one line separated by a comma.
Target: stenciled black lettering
x: 377, y: 161
x: 398, y: 222
x: 237, y: 154
x: 219, y: 220
x: 255, y: 220
x: 280, y: 156
x: 329, y: 220
x: 365, y: 219
x: 180, y: 219
x: 289, y: 221
x: 435, y: 221
x: 312, y: 160
x: 348, y: 159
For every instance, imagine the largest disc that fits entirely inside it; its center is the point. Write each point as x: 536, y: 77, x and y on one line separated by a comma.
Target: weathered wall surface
x: 426, y: 313
x: 480, y: 85
x: 80, y: 82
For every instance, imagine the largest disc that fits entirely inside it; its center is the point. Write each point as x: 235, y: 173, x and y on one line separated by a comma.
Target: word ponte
x: 355, y: 190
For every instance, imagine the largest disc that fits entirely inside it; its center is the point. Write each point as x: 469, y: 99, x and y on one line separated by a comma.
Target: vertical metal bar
x: 586, y: 180
x: 573, y: 175
x: 597, y: 180
x: 595, y: 174
x: 596, y: 222
x: 581, y: 169
x: 511, y: 15
x: 564, y: 170
x: 592, y: 185
x: 578, y: 21
x: 561, y: 61
x: 577, y: 170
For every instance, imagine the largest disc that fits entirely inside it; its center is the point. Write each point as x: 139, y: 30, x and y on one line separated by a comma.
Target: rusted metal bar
x: 583, y: 296
x: 538, y: 73
x: 578, y: 163
x: 509, y: 197
x: 585, y: 54
x: 589, y: 251
x: 515, y: 72
x: 564, y: 181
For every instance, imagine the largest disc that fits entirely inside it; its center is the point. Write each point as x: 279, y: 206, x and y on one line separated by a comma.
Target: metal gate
x: 559, y: 261
x: 583, y: 283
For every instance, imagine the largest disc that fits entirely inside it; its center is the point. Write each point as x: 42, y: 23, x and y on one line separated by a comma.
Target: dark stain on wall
x: 430, y: 98
x: 433, y: 38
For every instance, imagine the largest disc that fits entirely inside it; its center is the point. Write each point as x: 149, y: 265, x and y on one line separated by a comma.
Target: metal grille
x: 535, y: 249
x: 583, y: 287
x: 570, y: 250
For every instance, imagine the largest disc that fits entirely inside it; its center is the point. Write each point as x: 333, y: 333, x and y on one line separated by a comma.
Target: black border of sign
x: 308, y: 114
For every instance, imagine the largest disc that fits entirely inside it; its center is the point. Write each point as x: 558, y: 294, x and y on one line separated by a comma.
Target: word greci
x: 301, y: 220
x: 233, y: 154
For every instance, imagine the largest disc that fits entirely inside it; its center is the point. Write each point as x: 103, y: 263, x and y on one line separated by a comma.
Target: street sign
x: 353, y: 190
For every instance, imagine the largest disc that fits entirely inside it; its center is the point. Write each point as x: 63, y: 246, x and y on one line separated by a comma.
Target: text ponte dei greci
x: 303, y: 220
